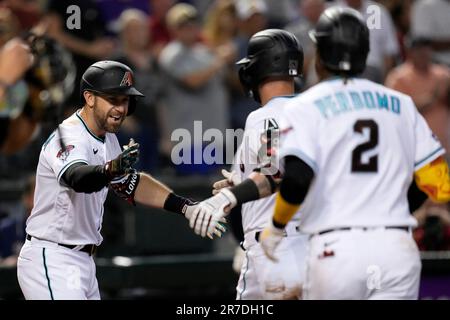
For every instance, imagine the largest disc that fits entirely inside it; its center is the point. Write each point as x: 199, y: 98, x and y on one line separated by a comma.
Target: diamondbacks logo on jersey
x: 267, y: 153
x: 127, y: 80
x: 270, y: 124
x: 242, y: 165
x: 64, y: 153
x: 270, y: 137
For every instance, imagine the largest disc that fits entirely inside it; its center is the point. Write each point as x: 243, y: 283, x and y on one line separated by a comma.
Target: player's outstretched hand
x: 219, y: 227
x: 124, y: 162
x: 209, y: 213
x: 269, y: 239
x: 231, y: 179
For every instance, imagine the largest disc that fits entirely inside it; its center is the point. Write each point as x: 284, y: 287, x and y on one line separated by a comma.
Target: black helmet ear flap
x: 131, y: 105
x: 245, y: 79
x: 247, y: 83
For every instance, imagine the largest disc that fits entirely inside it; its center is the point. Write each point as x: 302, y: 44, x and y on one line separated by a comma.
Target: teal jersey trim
x: 243, y: 277
x: 102, y: 140
x: 67, y: 165
x: 46, y: 275
x: 48, y: 140
x: 418, y: 163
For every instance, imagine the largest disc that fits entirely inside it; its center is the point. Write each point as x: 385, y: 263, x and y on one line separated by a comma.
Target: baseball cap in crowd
x: 180, y: 14
x: 246, y: 8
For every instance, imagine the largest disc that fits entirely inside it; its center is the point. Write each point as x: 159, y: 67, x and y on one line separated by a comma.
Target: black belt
x: 258, y: 234
x: 362, y: 228
x: 88, y: 248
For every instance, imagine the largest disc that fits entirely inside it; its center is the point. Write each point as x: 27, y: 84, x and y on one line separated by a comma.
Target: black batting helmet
x: 270, y: 53
x: 342, y: 40
x: 110, y: 77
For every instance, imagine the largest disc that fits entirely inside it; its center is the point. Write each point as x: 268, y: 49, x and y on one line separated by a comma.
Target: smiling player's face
x: 110, y: 111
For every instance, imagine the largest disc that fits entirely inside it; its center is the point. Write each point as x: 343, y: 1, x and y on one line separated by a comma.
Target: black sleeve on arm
x: 246, y: 191
x: 296, y: 180
x: 85, y: 178
x: 235, y: 221
x: 4, y: 127
x: 416, y: 197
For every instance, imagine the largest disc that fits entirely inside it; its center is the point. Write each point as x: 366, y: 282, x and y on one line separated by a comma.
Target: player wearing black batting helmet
x: 270, y: 53
x: 110, y: 77
x: 268, y: 73
x: 342, y: 40
x: 72, y: 182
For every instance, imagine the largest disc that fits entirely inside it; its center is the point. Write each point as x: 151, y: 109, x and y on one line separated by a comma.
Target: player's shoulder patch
x: 63, y: 153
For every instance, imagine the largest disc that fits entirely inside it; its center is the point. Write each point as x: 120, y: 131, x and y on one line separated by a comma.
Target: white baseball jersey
x: 261, y: 278
x: 250, y: 155
x: 364, y: 142
x: 60, y: 214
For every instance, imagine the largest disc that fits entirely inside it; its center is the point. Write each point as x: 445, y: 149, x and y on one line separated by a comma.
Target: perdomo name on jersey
x: 343, y: 102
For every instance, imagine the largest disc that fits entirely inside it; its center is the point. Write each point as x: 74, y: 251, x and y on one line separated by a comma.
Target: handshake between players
x: 199, y: 215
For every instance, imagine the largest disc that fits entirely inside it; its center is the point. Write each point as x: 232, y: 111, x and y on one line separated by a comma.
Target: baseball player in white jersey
x: 351, y: 149
x: 363, y: 144
x: 77, y: 164
x: 274, y: 58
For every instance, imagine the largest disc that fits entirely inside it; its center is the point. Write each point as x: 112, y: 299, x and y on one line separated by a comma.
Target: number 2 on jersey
x: 372, y: 164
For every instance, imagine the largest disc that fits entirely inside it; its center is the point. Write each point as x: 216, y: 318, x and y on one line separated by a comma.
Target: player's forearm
x: 151, y: 192
x: 257, y: 186
x: 284, y: 211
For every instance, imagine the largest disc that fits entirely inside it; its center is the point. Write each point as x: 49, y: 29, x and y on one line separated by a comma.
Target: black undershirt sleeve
x: 235, y: 222
x: 416, y: 197
x: 296, y: 180
x: 85, y: 178
x: 4, y: 126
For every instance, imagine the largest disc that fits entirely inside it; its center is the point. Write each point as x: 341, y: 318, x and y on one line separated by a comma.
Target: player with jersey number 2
x: 351, y: 151
x: 362, y: 144
x: 72, y: 180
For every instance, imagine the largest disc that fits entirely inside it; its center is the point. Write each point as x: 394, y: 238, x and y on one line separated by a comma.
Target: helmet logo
x: 344, y: 65
x: 127, y: 80
x: 293, y: 67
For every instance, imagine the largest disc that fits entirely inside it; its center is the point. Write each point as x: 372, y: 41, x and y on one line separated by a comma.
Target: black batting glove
x: 124, y: 162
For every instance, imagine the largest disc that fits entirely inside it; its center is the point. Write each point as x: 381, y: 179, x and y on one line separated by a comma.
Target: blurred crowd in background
x: 183, y: 54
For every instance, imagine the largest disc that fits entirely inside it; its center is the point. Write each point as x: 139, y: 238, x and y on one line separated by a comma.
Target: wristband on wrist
x: 177, y: 204
x: 245, y: 191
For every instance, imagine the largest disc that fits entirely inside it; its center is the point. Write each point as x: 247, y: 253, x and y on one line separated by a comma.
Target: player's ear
x: 89, y: 97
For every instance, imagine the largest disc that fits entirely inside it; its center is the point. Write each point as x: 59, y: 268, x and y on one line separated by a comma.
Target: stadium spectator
x: 86, y: 41
x: 428, y: 84
x: 252, y: 17
x: 158, y: 27
x: 144, y: 125
x: 12, y: 226
x: 195, y: 88
x: 430, y: 19
x: 310, y: 11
